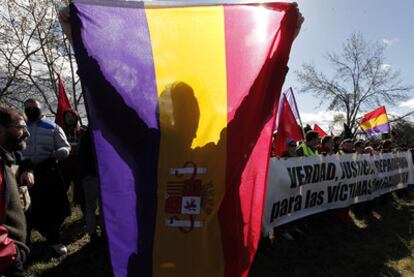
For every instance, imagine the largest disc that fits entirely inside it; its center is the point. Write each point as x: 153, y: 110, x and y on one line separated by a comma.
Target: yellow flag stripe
x: 382, y: 119
x: 188, y: 47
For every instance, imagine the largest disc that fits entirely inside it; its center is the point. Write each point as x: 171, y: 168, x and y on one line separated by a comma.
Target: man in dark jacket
x: 13, y: 135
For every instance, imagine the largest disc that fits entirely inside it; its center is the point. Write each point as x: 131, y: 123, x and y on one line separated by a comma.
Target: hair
x: 326, y: 139
x: 337, y: 139
x: 386, y: 143
x: 307, y: 128
x: 310, y: 135
x: 8, y: 114
x: 31, y: 100
x: 359, y: 143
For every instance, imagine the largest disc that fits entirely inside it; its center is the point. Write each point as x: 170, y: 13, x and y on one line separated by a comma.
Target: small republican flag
x: 375, y: 122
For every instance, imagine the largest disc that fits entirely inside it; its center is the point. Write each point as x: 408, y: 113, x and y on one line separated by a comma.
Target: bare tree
x: 34, y: 50
x: 403, y: 132
x: 361, y: 80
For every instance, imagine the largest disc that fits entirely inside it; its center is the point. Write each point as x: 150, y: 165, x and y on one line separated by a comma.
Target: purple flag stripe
x: 126, y: 138
x: 292, y: 102
x: 380, y: 129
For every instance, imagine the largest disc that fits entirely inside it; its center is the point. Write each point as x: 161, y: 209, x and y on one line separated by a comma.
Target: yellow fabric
x: 382, y: 119
x: 190, y: 67
x: 307, y: 151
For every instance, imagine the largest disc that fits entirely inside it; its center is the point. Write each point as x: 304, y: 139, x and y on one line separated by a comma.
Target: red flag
x: 319, y: 130
x: 63, y: 103
x: 287, y: 128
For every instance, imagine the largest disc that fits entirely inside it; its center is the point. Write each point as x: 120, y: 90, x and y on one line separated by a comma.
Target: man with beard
x: 13, y: 250
x: 45, y: 148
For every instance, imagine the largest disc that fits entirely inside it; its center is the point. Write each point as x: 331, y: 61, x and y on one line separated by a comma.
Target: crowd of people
x: 314, y: 145
x: 40, y: 161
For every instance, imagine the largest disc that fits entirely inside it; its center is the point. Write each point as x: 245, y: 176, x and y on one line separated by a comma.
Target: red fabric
x: 63, y: 103
x: 375, y: 113
x: 319, y: 130
x: 8, y: 250
x: 251, y: 103
x: 287, y: 128
x: 2, y: 192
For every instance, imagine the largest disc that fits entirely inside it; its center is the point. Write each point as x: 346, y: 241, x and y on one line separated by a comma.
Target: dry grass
x: 379, y: 243
x: 83, y: 258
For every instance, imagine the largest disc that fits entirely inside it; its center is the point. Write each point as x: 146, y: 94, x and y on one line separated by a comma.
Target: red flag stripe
x: 375, y: 113
x: 240, y: 213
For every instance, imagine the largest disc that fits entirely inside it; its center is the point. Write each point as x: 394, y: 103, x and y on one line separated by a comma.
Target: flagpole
x: 296, y: 107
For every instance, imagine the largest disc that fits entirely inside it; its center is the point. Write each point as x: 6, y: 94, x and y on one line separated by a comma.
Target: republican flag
x: 288, y: 128
x: 63, y: 102
x: 320, y: 131
x: 288, y: 94
x: 375, y: 122
x: 292, y: 102
x: 180, y: 102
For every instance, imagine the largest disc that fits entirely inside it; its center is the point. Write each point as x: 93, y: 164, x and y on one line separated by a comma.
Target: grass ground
x: 380, y: 243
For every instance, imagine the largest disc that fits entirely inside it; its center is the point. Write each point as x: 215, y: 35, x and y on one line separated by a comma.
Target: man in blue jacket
x: 46, y: 146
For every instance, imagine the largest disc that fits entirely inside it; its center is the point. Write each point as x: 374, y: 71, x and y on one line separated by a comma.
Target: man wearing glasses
x: 13, y: 250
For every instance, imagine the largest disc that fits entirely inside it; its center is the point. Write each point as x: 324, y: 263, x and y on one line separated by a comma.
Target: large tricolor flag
x: 180, y: 101
x: 375, y: 122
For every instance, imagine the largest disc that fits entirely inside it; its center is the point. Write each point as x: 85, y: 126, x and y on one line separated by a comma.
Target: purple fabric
x: 279, y: 109
x: 380, y: 129
x: 292, y: 102
x: 121, y: 98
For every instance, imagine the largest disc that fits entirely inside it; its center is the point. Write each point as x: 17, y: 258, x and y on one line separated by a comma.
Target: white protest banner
x: 298, y: 187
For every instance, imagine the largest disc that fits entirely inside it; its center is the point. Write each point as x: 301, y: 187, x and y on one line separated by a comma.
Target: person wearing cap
x: 309, y: 147
x: 346, y: 147
x: 290, y: 148
x: 369, y: 150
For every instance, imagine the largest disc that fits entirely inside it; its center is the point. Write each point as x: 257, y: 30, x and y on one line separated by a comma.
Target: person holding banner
x: 327, y: 146
x: 346, y: 147
x: 359, y: 147
x: 309, y: 147
x: 337, y: 142
x: 290, y: 148
x: 287, y: 230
